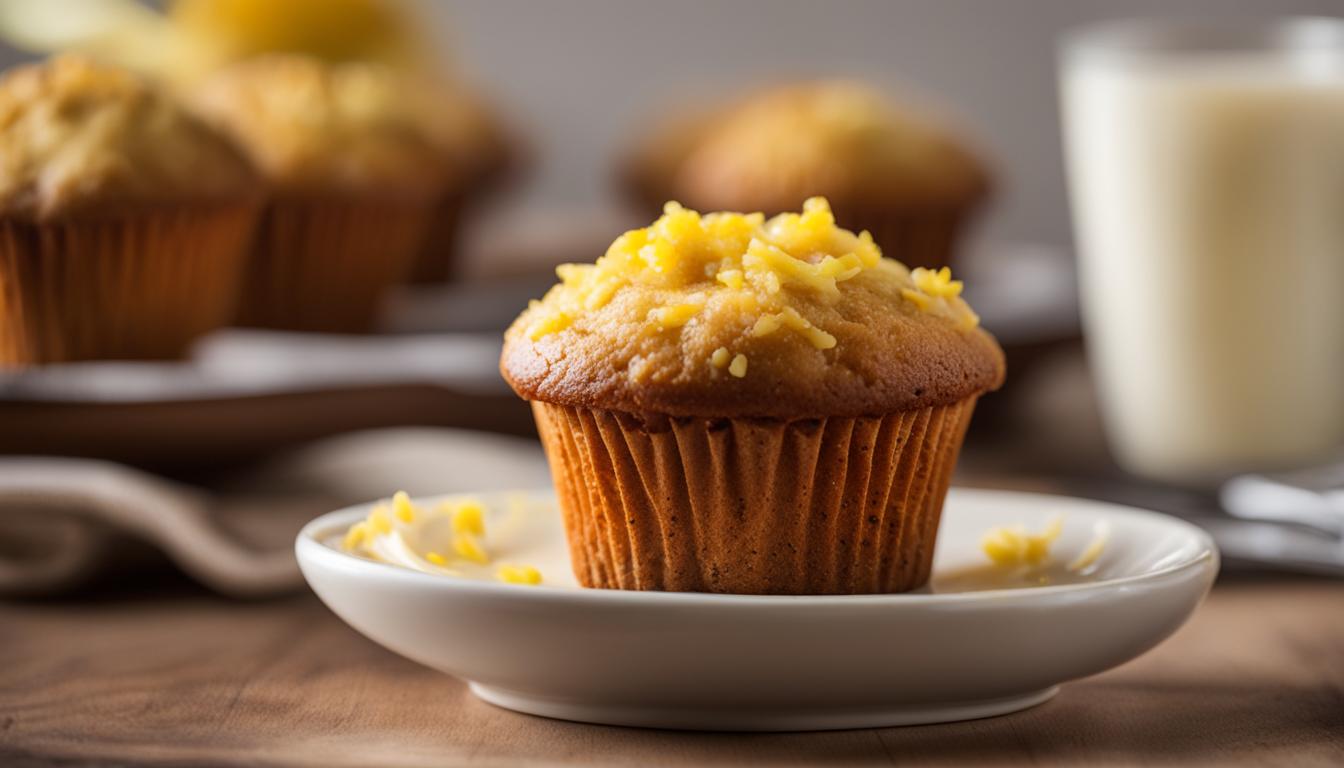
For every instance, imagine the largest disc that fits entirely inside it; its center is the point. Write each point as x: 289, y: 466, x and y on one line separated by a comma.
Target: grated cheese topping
x: 448, y: 539
x: 703, y: 268
x: 1013, y: 546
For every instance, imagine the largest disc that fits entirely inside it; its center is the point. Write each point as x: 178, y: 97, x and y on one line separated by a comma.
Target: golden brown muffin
x: 315, y: 127
x: 888, y: 170
x: 76, y: 135
x: 735, y: 404
x: 125, y: 220
x: 353, y: 177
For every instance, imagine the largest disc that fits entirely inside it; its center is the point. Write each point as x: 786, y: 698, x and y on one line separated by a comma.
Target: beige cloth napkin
x: 65, y: 522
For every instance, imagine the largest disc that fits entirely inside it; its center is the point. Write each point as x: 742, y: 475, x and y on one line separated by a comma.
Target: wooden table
x: 176, y: 675
x: 1256, y: 678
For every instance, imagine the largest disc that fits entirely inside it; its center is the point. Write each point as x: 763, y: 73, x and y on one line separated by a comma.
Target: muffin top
x: 311, y: 125
x: 77, y: 135
x: 840, y: 139
x: 464, y: 127
x: 730, y: 315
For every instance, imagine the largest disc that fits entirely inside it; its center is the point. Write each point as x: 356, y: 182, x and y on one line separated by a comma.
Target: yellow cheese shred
x: 738, y: 367
x: 676, y: 315
x: 469, y: 547
x: 938, y: 283
x: 518, y: 574
x: 379, y: 520
x: 467, y: 520
x: 355, y: 536
x: 1013, y: 545
x: 468, y: 517
x: 403, y: 508
x: 731, y: 278
x: 737, y: 270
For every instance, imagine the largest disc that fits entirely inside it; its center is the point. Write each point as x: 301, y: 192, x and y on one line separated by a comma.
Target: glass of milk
x: 1206, y: 175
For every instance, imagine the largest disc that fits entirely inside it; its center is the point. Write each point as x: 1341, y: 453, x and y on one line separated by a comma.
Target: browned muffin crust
x: 731, y: 316
x: 80, y: 136
x: 317, y: 127
x: 875, y: 369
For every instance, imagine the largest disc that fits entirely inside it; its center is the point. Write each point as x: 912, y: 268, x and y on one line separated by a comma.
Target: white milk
x: 1208, y: 194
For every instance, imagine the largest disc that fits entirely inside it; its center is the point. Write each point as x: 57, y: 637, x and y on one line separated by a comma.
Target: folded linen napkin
x: 65, y: 522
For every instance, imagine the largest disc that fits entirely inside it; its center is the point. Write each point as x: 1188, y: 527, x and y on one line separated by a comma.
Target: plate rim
x: 307, y: 545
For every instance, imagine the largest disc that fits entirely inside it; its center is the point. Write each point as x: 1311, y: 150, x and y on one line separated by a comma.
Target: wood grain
x: 1256, y: 678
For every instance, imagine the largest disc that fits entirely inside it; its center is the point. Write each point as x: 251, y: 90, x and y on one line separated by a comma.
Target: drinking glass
x: 1206, y: 177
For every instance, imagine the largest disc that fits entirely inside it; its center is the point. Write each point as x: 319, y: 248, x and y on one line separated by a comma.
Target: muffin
x: 887, y: 169
x: 206, y: 35
x: 125, y: 220
x: 737, y: 404
x: 352, y: 176
x: 473, y: 140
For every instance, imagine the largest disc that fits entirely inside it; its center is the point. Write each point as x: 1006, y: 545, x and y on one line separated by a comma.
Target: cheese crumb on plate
x: 450, y: 538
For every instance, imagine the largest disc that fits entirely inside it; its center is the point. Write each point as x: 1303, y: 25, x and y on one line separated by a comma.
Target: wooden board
x: 1256, y: 678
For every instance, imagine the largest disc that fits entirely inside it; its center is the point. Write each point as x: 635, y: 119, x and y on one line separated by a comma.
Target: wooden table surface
x: 175, y: 675
x: 1256, y: 678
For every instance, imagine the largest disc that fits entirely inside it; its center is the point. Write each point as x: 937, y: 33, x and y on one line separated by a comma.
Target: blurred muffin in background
x: 455, y: 118
x: 215, y: 33
x: 886, y: 168
x: 353, y: 179
x: 474, y: 141
x: 190, y: 40
x: 182, y: 41
x: 124, y: 219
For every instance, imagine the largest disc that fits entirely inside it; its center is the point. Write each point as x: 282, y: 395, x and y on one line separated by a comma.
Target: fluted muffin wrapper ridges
x: 748, y: 506
x: 143, y: 283
x: 437, y: 256
x: 325, y: 264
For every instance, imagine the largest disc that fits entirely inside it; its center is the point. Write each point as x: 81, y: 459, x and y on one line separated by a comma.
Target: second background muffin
x: 886, y: 167
x: 353, y: 180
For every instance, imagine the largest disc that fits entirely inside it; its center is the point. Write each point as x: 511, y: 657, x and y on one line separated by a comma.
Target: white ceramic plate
x: 980, y: 641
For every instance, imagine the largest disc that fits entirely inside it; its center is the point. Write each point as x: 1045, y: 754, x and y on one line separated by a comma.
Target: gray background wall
x: 584, y: 73
x: 581, y: 76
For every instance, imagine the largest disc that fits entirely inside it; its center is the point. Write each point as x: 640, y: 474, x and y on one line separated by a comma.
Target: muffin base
x: 746, y: 506
x: 325, y: 264
x: 137, y: 284
x: 437, y: 256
